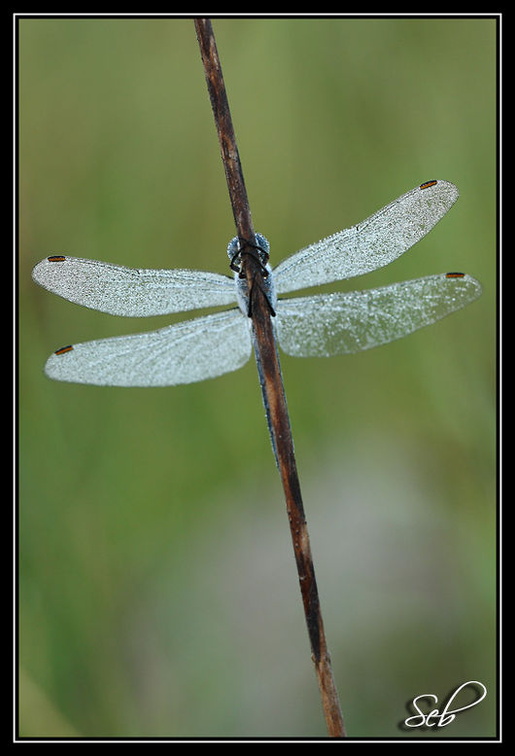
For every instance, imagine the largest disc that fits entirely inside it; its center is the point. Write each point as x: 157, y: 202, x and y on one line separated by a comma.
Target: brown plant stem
x: 270, y: 377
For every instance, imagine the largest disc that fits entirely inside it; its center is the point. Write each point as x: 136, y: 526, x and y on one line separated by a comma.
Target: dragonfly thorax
x: 235, y: 250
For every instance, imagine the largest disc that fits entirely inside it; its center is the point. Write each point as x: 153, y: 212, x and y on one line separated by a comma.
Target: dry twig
x: 251, y: 267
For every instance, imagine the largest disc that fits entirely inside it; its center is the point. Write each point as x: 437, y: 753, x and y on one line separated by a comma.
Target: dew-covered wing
x: 342, y: 323
x: 185, y: 352
x: 373, y: 243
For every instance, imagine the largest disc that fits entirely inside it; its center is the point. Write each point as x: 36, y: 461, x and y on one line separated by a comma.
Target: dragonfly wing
x: 375, y: 242
x: 328, y: 324
x: 185, y: 352
x: 132, y: 291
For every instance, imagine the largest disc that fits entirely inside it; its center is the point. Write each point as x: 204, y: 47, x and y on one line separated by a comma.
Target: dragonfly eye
x: 233, y: 252
x: 263, y: 247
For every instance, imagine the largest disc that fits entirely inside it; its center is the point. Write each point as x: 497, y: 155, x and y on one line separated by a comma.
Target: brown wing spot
x: 65, y: 349
x: 455, y: 275
x: 56, y: 258
x: 427, y: 184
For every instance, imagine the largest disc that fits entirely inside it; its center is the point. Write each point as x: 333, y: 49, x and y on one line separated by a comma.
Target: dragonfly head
x: 236, y: 246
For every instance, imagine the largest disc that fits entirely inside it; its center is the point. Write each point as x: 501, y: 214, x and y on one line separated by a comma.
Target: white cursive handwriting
x: 441, y: 719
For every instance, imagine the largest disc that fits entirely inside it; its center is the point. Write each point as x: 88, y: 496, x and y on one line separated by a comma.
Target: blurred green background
x: 158, y: 591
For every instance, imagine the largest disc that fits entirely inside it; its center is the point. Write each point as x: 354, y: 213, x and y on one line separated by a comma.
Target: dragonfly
x: 319, y: 325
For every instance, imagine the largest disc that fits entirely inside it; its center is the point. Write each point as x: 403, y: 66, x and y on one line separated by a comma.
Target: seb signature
x: 437, y: 718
